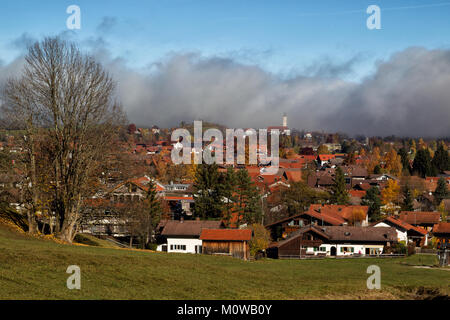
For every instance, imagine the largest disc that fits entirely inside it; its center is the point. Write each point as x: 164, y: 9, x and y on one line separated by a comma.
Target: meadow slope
x: 36, y: 269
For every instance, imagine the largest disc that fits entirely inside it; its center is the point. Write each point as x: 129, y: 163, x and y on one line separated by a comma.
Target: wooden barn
x: 232, y: 242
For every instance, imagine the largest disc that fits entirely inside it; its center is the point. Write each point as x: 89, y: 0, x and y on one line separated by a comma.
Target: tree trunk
x: 67, y: 232
x: 32, y: 224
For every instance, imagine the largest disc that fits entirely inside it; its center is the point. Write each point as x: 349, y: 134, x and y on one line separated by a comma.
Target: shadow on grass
x: 13, y: 216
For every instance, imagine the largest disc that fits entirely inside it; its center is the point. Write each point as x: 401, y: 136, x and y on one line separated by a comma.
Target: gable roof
x: 402, y: 224
x: 357, y: 193
x: 142, y: 183
x: 443, y: 227
x: 299, y: 233
x: 188, y: 227
x: 338, y: 211
x: 316, y: 212
x: 345, y: 233
x: 283, y: 220
x: 226, y: 234
x: 294, y: 175
x: 371, y: 234
x: 420, y: 217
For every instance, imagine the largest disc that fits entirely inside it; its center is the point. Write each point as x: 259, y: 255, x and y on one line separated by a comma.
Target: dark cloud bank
x: 407, y: 95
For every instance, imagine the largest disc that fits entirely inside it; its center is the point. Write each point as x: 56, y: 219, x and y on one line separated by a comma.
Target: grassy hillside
x: 36, y: 269
x: 94, y: 241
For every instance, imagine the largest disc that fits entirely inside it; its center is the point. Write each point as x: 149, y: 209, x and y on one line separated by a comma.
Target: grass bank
x: 36, y: 269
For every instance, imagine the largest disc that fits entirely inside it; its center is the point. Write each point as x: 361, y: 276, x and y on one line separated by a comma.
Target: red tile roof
x: 420, y: 217
x: 293, y: 175
x: 406, y: 225
x: 338, y: 211
x: 226, y: 234
x: 173, y: 198
x: 329, y: 217
x: 326, y: 157
x: 443, y: 227
x: 357, y: 193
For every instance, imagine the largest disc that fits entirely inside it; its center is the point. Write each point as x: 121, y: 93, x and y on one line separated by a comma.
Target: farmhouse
x: 232, y: 242
x: 184, y: 235
x: 323, y: 215
x: 333, y: 241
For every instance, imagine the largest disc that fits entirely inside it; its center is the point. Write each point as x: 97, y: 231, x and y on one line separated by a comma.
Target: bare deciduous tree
x: 69, y: 96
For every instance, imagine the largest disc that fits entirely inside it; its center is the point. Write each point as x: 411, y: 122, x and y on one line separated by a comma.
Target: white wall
x: 401, y: 235
x: 357, y: 249
x: 190, y: 244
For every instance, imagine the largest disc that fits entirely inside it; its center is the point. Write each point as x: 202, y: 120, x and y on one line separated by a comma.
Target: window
x: 316, y: 248
x: 178, y: 247
x: 323, y: 249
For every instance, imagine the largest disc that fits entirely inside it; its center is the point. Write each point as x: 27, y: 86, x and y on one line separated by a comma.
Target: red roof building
x: 228, y: 242
x: 226, y: 234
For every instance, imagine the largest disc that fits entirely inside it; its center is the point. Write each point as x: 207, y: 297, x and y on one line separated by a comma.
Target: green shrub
x: 152, y: 246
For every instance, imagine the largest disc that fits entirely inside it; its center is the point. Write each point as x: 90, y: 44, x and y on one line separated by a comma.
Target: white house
x: 183, y: 236
x: 405, y: 231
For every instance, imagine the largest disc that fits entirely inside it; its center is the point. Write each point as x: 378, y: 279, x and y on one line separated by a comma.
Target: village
x: 331, y: 196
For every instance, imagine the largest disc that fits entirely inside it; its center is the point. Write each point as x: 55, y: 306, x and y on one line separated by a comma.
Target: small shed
x: 232, y: 242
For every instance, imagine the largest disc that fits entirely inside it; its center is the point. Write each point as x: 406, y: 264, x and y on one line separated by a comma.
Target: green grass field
x: 36, y: 269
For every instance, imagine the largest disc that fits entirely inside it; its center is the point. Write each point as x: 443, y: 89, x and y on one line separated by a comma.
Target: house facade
x: 183, y: 236
x: 333, y: 241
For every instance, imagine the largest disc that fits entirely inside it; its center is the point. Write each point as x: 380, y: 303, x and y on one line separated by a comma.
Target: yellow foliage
x: 358, y: 215
x: 389, y: 195
x: 260, y: 239
x: 393, y: 163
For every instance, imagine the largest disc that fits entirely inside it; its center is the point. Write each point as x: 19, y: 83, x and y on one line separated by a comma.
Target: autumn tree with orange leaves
x: 390, y: 196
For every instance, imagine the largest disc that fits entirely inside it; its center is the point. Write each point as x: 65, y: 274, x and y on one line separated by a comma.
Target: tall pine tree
x: 248, y: 200
x: 405, y: 161
x: 208, y: 195
x: 441, y: 191
x: 422, y: 163
x: 373, y: 200
x: 228, y: 186
x: 339, y: 192
x: 407, y: 204
x: 441, y: 159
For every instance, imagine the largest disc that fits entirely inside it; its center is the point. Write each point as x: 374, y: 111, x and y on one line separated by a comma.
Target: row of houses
x: 324, y: 235
x: 338, y: 230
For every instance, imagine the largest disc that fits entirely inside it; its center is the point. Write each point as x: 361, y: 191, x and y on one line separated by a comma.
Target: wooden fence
x: 305, y: 257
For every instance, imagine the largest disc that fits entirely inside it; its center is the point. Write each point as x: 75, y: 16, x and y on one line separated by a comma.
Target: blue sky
x: 280, y: 36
